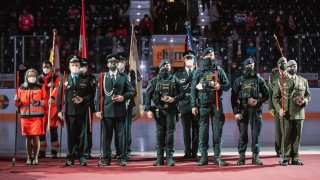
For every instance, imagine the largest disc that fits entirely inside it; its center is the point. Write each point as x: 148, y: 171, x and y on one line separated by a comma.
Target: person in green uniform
x: 248, y: 93
x: 296, y: 96
x: 165, y: 90
x: 190, y: 123
x: 203, y: 91
x: 273, y: 82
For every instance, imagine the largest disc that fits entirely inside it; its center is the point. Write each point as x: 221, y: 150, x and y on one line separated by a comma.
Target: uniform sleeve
x: 223, y: 80
x: 149, y: 93
x: 97, y: 96
x: 270, y: 103
x: 263, y: 90
x: 194, y: 90
x: 235, y: 96
x: 181, y: 93
x: 59, y: 98
x: 276, y: 98
x: 130, y: 91
x: 307, y: 94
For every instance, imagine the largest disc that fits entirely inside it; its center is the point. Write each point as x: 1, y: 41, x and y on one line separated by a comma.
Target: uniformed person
x: 116, y: 91
x: 123, y: 67
x: 165, y: 91
x: 77, y: 96
x: 84, y: 71
x: 190, y: 123
x: 296, y: 97
x: 45, y: 80
x: 248, y: 93
x: 273, y: 82
x: 203, y: 91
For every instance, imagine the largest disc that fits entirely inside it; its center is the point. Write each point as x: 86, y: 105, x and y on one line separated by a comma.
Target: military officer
x: 78, y: 94
x: 203, y: 91
x: 190, y: 123
x: 84, y: 71
x: 273, y: 82
x: 116, y: 91
x: 296, y: 96
x: 248, y: 93
x: 165, y: 91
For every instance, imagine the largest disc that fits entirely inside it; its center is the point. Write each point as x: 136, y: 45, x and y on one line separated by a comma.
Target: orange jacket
x: 25, y: 95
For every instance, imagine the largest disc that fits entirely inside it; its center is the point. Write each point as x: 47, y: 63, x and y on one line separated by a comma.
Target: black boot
x: 42, y: 154
x: 169, y: 155
x: 203, y: 161
x: 218, y: 161
x: 170, y: 161
x: 159, y: 161
x: 242, y: 159
x: 53, y: 154
x: 256, y: 160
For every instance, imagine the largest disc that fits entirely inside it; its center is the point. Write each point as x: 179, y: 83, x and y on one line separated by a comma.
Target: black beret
x: 189, y: 53
x: 73, y: 59
x: 122, y: 56
x: 112, y: 58
x: 164, y: 62
x: 248, y: 61
x: 84, y: 62
x: 207, y: 51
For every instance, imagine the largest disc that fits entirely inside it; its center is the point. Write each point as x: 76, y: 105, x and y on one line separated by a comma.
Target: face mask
x: 83, y: 70
x: 249, y: 71
x: 121, y: 66
x: 189, y: 63
x: 113, y: 67
x: 282, y: 67
x: 209, y: 62
x: 74, y: 70
x: 32, y: 80
x: 164, y: 72
x: 46, y: 70
x: 292, y: 71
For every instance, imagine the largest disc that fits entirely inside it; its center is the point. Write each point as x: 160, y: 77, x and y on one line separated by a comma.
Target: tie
x: 190, y: 74
x: 74, y: 79
x: 112, y: 79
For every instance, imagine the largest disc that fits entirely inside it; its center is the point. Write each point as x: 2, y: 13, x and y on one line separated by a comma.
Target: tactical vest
x: 207, y: 94
x: 249, y: 89
x: 163, y: 88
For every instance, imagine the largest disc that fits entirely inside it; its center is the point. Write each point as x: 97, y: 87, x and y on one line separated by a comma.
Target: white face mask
x: 46, y: 70
x: 74, y: 70
x: 83, y: 70
x: 32, y: 79
x: 121, y: 66
x: 189, y: 63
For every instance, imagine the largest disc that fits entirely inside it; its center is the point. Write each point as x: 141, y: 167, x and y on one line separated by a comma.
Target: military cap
x: 112, y: 58
x: 248, y: 61
x: 84, y: 62
x: 281, y: 60
x: 164, y: 62
x: 189, y: 53
x: 122, y: 56
x: 207, y: 51
x: 291, y: 62
x: 73, y: 59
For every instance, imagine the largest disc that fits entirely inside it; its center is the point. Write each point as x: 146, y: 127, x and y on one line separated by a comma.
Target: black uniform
x: 206, y: 98
x: 245, y: 87
x: 164, y: 113
x: 75, y: 114
x: 92, y: 79
x: 189, y: 121
x: 114, y: 113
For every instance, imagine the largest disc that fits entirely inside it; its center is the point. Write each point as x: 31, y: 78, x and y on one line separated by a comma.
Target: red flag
x: 83, y: 34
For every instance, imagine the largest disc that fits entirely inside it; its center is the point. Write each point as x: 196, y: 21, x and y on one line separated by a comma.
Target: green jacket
x: 273, y: 82
x: 292, y: 89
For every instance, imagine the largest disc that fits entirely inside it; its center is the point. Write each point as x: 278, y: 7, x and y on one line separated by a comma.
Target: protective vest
x: 249, y: 89
x: 207, y: 94
x: 163, y: 88
x: 27, y: 109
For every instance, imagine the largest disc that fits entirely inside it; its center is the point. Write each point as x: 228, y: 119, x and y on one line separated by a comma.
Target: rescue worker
x: 248, y: 93
x: 165, y: 91
x: 45, y: 79
x: 190, y: 123
x: 31, y: 101
x: 77, y: 96
x: 296, y: 98
x: 203, y: 90
x: 116, y: 91
x: 273, y: 82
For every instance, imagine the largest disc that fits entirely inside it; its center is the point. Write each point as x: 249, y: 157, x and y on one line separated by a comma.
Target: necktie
x: 74, y: 79
x: 112, y: 79
x: 190, y: 74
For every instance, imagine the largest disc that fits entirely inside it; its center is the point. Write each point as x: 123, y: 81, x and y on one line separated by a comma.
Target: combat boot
x: 203, y: 161
x: 256, y: 160
x: 218, y: 161
x: 42, y: 154
x: 53, y: 154
x: 170, y: 161
x: 159, y: 161
x: 242, y: 159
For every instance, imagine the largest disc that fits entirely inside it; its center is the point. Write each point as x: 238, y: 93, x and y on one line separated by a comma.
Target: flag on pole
x: 138, y: 110
x: 188, y: 43
x: 83, y: 33
x: 55, y: 58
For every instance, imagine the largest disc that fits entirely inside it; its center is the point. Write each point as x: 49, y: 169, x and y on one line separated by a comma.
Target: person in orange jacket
x: 45, y: 79
x: 31, y: 101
